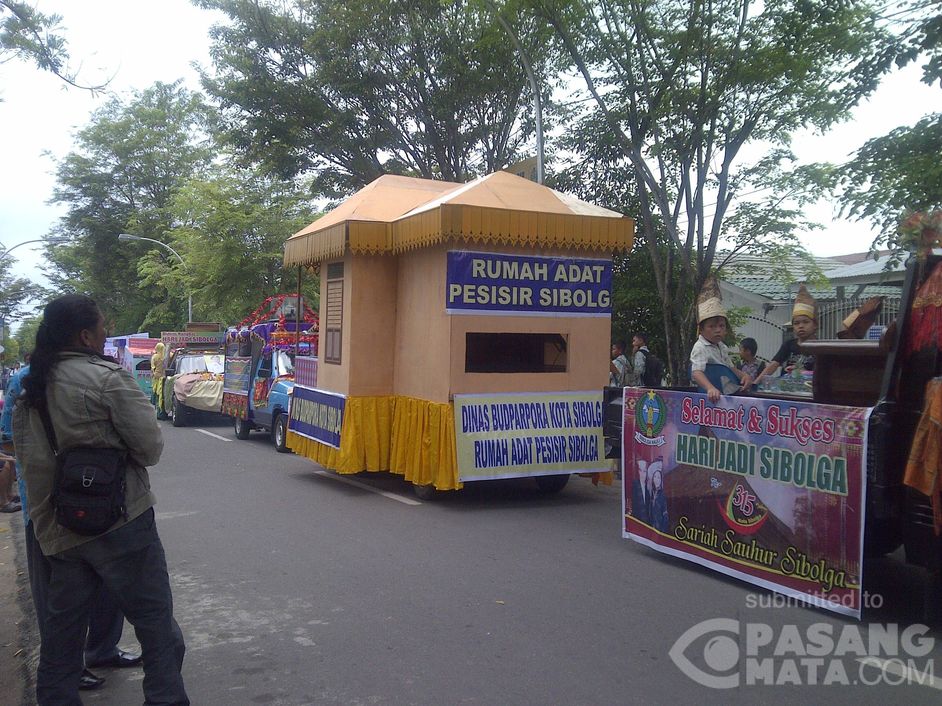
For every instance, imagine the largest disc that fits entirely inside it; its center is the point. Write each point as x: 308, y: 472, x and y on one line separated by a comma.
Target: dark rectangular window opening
x: 516, y: 353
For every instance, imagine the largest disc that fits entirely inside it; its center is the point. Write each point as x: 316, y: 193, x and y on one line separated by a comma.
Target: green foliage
x: 16, y: 293
x: 25, y: 335
x: 349, y: 91
x: 679, y: 89
x: 230, y: 228
x: 900, y: 172
x: 11, y: 348
x: 29, y: 35
x: 128, y: 165
x: 602, y: 177
x: 894, y: 174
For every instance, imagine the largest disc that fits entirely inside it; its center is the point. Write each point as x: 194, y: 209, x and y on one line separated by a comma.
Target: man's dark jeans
x: 130, y: 561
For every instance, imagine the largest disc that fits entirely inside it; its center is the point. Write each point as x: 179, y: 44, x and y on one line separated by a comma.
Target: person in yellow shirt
x: 158, y: 368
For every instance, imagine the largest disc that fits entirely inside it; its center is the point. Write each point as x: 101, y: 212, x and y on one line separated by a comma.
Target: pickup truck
x: 259, y: 366
x: 890, y: 380
x: 193, y: 383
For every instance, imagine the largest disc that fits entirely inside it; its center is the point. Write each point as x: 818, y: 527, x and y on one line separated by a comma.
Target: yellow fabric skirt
x: 404, y: 435
x: 407, y: 436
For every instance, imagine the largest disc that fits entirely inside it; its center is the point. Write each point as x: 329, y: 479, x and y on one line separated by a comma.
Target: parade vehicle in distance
x: 133, y: 354
x: 260, y: 365
x: 193, y: 383
x: 794, y: 488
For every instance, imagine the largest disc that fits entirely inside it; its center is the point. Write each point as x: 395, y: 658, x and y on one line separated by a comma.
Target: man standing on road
x: 639, y: 351
x: 91, y: 400
x: 107, y: 621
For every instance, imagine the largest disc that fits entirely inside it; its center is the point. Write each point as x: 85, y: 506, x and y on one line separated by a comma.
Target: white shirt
x: 704, y: 352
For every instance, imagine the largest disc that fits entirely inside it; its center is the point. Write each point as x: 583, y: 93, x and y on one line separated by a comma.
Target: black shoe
x: 89, y: 681
x: 122, y: 659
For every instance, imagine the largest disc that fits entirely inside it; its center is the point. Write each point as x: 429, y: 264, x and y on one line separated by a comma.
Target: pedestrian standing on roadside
x: 639, y: 353
x: 107, y: 621
x: 618, y: 369
x: 92, y: 401
x: 158, y: 370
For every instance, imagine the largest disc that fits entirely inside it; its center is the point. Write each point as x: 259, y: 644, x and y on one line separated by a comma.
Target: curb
x: 19, y: 637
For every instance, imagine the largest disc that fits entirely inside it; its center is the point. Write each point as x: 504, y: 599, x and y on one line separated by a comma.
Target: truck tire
x: 551, y: 484
x: 424, y: 492
x: 242, y: 428
x: 279, y: 434
x: 177, y: 413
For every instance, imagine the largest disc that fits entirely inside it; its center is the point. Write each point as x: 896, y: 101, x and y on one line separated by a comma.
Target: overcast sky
x: 138, y: 43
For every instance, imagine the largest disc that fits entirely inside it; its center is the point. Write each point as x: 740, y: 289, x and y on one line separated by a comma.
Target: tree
x: 130, y: 162
x: 26, y: 333
x: 601, y: 175
x: 15, y: 292
x: 230, y: 227
x: 683, y: 88
x: 27, y: 34
x: 349, y: 91
x: 900, y: 171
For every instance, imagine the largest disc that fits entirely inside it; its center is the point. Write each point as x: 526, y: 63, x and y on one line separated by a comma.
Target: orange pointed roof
x: 395, y: 213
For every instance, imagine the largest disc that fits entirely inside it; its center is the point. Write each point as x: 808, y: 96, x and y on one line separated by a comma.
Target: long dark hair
x: 63, y: 319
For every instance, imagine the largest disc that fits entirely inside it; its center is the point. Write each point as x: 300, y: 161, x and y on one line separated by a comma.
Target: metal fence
x: 832, y: 314
x: 768, y: 334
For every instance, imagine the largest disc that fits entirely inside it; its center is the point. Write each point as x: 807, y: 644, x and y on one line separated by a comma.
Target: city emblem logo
x: 650, y: 418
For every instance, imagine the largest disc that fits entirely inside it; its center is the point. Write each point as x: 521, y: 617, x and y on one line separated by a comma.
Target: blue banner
x: 316, y: 415
x: 492, y: 283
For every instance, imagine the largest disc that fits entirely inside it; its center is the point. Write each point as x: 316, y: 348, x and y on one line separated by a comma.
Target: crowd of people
x: 84, y: 586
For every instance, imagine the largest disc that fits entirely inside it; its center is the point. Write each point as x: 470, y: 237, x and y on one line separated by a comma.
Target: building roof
x: 756, y: 274
x: 868, y: 272
x: 395, y: 213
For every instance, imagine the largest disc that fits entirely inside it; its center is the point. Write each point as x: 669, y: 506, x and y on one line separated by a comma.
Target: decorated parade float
x: 192, y: 383
x: 264, y: 352
x: 465, y: 332
x: 133, y: 354
x: 789, y: 488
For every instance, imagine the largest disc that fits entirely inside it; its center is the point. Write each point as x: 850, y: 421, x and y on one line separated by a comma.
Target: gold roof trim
x: 397, y: 214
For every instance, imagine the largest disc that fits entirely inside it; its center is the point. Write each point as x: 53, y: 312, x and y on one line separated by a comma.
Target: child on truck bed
x: 709, y: 348
x: 805, y: 326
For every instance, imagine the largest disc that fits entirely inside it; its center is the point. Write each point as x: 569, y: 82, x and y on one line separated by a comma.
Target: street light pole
x: 189, y: 299
x: 534, y: 88
x: 53, y: 241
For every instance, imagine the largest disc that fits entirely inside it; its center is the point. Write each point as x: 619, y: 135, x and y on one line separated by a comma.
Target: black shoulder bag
x: 88, y: 495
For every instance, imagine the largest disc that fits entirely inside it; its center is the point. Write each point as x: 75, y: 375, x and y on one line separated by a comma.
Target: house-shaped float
x: 431, y: 291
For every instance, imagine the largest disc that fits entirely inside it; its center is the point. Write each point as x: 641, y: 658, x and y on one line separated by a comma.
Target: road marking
x: 174, y: 515
x: 364, y: 486
x: 215, y: 436
x: 907, y: 673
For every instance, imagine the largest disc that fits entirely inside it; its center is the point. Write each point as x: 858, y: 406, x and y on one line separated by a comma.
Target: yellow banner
x: 528, y: 434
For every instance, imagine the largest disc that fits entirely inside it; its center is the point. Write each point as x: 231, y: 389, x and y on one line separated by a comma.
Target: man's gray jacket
x: 92, y: 403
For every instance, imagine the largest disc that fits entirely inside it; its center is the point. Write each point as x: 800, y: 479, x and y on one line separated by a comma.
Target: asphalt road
x: 294, y: 586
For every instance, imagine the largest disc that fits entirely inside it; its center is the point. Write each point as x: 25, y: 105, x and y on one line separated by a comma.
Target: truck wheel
x: 177, y: 414
x: 424, y: 492
x: 242, y: 428
x: 551, y: 484
x: 279, y: 434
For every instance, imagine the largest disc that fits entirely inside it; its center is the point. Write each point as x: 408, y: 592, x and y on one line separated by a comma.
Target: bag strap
x: 47, y: 425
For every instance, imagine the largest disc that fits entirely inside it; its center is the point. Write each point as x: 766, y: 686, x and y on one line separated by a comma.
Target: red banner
x: 769, y: 491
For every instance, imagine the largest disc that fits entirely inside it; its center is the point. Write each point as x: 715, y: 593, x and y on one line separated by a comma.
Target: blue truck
x: 259, y: 365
